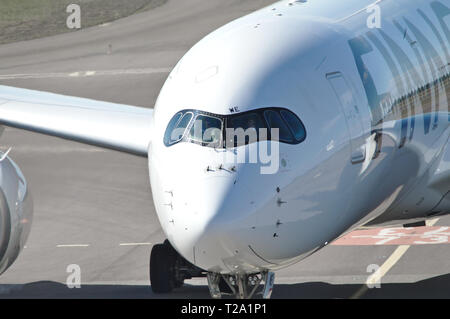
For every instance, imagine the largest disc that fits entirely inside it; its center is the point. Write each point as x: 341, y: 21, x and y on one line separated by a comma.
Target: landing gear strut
x: 169, y: 270
x: 241, y: 286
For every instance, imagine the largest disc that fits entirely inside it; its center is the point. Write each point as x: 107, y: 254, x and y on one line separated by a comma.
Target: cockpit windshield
x: 206, y: 130
x: 229, y: 131
x: 177, y: 127
x: 248, y: 126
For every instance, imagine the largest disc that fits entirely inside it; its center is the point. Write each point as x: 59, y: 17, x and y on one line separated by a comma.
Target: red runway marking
x: 396, y: 236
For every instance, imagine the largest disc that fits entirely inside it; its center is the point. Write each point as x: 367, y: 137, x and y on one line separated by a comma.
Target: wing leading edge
x: 109, y: 125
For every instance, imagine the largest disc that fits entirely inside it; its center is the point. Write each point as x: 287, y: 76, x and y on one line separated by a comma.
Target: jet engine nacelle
x: 16, y: 210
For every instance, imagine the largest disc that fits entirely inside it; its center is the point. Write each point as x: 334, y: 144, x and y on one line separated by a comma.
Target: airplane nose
x: 209, y: 222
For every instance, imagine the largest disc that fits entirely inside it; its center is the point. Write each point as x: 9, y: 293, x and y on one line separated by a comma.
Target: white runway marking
x: 72, y: 245
x: 89, y: 73
x: 135, y: 244
x: 26, y: 149
x: 90, y: 245
x: 388, y: 264
x: 432, y: 222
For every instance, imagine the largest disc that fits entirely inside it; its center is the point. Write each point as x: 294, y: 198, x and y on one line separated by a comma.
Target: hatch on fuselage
x: 352, y: 115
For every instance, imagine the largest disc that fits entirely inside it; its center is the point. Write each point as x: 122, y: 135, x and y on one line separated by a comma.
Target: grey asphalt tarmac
x: 94, y: 208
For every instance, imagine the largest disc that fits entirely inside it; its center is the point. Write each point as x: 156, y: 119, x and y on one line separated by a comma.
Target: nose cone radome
x: 196, y: 207
x: 210, y: 219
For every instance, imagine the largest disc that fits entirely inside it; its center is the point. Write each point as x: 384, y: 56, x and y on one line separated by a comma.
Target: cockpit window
x: 276, y: 122
x: 168, y: 136
x: 177, y: 127
x: 207, y: 130
x: 229, y: 131
x: 294, y: 124
x: 245, y: 129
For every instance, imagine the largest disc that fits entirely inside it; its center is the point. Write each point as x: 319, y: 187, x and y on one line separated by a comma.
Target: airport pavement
x: 94, y: 208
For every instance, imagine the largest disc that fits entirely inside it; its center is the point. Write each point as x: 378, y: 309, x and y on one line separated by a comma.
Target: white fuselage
x: 374, y: 103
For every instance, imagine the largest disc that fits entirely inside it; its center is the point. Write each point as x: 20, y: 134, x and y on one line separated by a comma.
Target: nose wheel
x: 162, y: 272
x: 169, y: 270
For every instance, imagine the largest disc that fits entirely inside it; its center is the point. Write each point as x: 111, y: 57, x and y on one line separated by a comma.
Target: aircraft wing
x: 109, y: 125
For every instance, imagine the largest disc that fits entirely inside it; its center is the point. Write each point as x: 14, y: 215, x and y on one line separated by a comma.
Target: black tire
x: 162, y: 264
x: 174, y: 255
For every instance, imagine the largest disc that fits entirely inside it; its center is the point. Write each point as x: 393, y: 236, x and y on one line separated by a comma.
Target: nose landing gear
x: 242, y: 286
x: 169, y: 270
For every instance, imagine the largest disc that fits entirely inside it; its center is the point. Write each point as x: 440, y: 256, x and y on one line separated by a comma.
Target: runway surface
x: 94, y: 208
